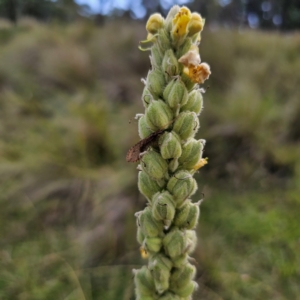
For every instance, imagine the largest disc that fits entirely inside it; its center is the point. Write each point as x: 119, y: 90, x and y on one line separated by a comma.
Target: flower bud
x: 187, y: 216
x: 173, y: 165
x: 180, y: 260
x: 149, y: 226
x: 170, y: 146
x: 191, y: 241
x: 187, y: 290
x: 185, y: 47
x: 163, y: 40
x: 186, y: 125
x: 170, y: 63
x: 144, y: 283
x: 144, y: 130
x: 156, y: 56
x: 191, y: 154
x: 181, y: 185
x: 163, y: 207
x: 153, y: 244
x: 175, y: 243
x: 147, y: 186
x: 146, y: 97
x: 160, y: 267
x: 156, y: 82
x: 154, y: 23
x: 194, y: 103
x: 170, y: 296
x: 169, y: 19
x: 158, y: 115
x: 140, y: 236
x: 176, y: 93
x: 196, y: 24
x: 182, y: 276
x: 154, y: 165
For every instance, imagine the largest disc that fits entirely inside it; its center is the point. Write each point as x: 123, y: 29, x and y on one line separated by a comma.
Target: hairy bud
x: 149, y: 226
x: 194, y: 103
x: 170, y: 146
x: 187, y: 216
x: 156, y: 82
x: 186, y: 125
x: 154, y: 165
x: 182, y: 185
x: 158, y: 115
x: 191, y: 154
x: 175, y: 243
x: 147, y: 186
x: 163, y: 207
x: 176, y: 93
x: 154, y: 23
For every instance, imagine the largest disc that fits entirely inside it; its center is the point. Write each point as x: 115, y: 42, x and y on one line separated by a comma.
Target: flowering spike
x: 169, y: 155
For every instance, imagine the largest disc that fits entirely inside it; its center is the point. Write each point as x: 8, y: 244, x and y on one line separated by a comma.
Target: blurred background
x: 69, y: 89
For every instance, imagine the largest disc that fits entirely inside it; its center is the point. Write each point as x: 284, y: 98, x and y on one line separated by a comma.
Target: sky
x: 137, y: 8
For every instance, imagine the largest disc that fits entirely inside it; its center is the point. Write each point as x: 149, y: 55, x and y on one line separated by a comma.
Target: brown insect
x: 133, y: 154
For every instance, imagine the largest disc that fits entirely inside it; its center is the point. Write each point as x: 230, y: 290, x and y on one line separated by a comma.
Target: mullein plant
x: 169, y: 155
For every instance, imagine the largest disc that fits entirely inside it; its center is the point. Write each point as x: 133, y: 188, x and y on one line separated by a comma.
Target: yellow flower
x: 202, y: 162
x: 154, y: 23
x: 181, y: 21
x: 196, y: 24
x: 144, y: 253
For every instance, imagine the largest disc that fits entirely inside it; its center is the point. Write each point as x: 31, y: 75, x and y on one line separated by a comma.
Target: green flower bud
x: 140, y: 236
x: 144, y: 130
x: 181, y: 185
x: 175, y: 243
x: 185, y: 47
x: 144, y: 283
x: 173, y: 165
x: 187, y: 290
x: 176, y: 93
x: 169, y: 19
x: 182, y: 277
x: 194, y: 103
x: 158, y: 115
x: 187, y: 216
x: 191, y: 240
x: 149, y: 226
x: 191, y: 154
x: 156, y: 82
x: 153, y: 244
x: 186, y: 125
x: 154, y: 165
x: 147, y: 186
x: 163, y: 207
x: 156, y: 56
x: 163, y: 40
x: 160, y: 266
x: 146, y: 97
x: 154, y: 23
x: 170, y: 63
x: 170, y: 146
x: 170, y: 296
x: 180, y: 260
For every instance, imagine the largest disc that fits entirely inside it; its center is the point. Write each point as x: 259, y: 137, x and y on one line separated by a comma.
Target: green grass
x: 67, y: 201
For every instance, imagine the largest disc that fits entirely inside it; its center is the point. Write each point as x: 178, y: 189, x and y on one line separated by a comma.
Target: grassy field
x: 68, y: 96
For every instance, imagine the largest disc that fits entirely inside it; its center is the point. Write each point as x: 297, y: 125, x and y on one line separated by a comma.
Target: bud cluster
x: 173, y: 101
